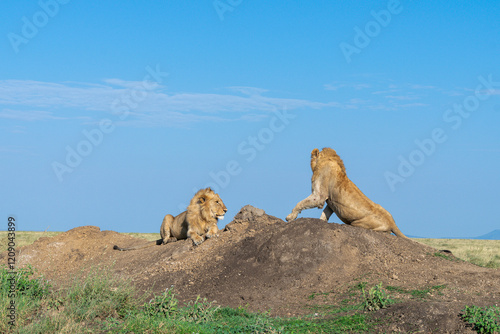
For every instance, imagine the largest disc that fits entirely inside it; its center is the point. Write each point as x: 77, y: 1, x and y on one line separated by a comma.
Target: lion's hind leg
x: 169, y: 240
x: 165, y: 232
x: 327, y: 212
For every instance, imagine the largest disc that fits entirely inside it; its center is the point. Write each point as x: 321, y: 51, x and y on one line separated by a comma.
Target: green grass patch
x: 484, y: 253
x: 145, y: 236
x: 23, y: 238
x: 482, y: 319
x: 100, y: 303
x: 26, y: 282
x: 22, y: 293
x: 446, y: 257
x: 99, y: 295
x: 316, y: 294
x: 417, y: 293
x: 210, y: 318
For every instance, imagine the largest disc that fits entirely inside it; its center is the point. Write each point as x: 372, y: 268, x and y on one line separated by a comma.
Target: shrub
x: 30, y: 292
x: 164, y: 304
x: 375, y: 299
x: 484, y: 320
x: 100, y: 296
x: 199, y: 311
x: 26, y: 282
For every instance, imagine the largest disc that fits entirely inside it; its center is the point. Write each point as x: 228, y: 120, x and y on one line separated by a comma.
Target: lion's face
x: 210, y: 205
x: 217, y: 207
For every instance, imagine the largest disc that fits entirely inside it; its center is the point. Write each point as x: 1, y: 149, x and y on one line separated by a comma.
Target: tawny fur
x: 330, y: 184
x: 197, y: 222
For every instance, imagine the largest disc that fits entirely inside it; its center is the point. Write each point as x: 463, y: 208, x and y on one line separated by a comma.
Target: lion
x: 197, y: 222
x: 330, y: 184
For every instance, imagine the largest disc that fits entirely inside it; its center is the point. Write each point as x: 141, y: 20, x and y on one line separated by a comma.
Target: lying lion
x: 331, y: 184
x: 197, y: 222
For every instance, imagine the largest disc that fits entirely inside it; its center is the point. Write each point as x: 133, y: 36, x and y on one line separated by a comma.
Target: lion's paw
x: 171, y: 239
x: 197, y: 240
x: 291, y: 217
x: 211, y: 235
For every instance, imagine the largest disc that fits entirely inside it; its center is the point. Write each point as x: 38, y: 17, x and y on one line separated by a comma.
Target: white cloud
x: 412, y: 105
x: 402, y: 97
x: 35, y: 94
x: 249, y: 90
x: 338, y: 85
x: 417, y: 86
x: 151, y: 104
x: 145, y: 103
x: 123, y: 83
x: 28, y: 115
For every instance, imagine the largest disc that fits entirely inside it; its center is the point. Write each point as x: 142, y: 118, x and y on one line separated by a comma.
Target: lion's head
x: 207, y: 205
x: 327, y: 154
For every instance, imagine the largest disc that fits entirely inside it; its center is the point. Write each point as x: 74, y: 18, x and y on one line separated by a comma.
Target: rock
x: 249, y: 212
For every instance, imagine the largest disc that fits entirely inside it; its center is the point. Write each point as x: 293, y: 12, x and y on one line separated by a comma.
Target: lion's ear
x: 314, y: 153
x: 201, y: 200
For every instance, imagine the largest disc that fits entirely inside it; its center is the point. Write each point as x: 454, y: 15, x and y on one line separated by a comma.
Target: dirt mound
x: 268, y: 264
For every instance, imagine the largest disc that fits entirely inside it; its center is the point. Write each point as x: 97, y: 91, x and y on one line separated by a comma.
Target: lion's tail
x: 397, y: 232
x: 149, y: 244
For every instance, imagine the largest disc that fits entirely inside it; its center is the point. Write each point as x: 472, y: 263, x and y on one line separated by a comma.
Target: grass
x: 484, y: 253
x: 99, y: 303
x: 28, y: 293
x: 24, y: 238
x: 482, y: 319
x: 446, y: 257
x: 146, y: 236
x: 417, y: 293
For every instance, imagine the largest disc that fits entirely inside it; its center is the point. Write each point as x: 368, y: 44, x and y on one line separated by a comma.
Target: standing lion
x: 330, y: 184
x: 197, y: 222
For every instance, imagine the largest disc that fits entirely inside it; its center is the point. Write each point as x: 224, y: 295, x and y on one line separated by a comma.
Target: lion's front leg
x: 212, y: 231
x: 293, y: 215
x: 197, y: 239
x: 312, y: 201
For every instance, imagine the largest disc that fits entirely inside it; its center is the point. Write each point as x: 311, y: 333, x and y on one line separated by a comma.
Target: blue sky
x: 113, y: 114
